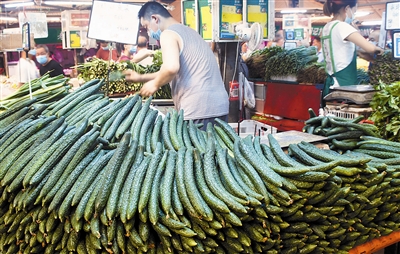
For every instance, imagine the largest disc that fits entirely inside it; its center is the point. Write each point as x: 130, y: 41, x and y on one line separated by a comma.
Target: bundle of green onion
x: 45, y: 89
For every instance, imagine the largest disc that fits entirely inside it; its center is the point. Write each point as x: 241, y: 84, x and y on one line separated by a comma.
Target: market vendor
x: 189, y: 66
x: 339, y: 41
x: 47, y: 64
x: 26, y: 67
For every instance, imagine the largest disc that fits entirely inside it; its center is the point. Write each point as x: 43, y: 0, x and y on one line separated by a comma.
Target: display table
x: 376, y: 244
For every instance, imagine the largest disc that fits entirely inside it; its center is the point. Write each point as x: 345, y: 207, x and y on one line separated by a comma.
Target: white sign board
x: 382, y: 34
x: 115, y: 22
x: 392, y: 15
x: 37, y: 22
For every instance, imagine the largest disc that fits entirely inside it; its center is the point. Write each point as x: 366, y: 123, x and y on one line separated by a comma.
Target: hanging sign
x: 37, y: 23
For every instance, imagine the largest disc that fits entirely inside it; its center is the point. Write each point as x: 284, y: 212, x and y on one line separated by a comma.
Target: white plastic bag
x: 248, y: 94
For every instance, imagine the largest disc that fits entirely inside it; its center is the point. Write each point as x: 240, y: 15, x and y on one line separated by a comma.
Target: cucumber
x: 146, y: 126
x: 65, y: 194
x: 38, y: 109
x: 227, y: 129
x: 127, y: 122
x: 185, y: 135
x: 167, y: 182
x: 78, y: 98
x: 123, y: 114
x: 194, y: 138
x: 265, y: 172
x: 123, y: 201
x: 112, y: 170
x: 50, y: 158
x: 14, y: 117
x: 153, y: 205
x: 155, y: 134
x: 151, y: 171
x: 195, y: 198
x: 303, y: 156
x: 80, y: 110
x: 89, y: 176
x: 112, y: 203
x: 99, y: 113
x: 112, y: 109
x: 165, y: 132
x: 16, y: 108
x: 135, y: 129
x: 221, y: 135
x: 210, y: 177
x: 280, y: 156
x: 181, y: 188
x: 212, y: 200
x: 227, y: 174
x: 20, y: 168
x: 173, y: 130
x: 134, y: 193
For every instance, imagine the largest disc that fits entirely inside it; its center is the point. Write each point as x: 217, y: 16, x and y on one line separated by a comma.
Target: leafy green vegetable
x: 386, y: 106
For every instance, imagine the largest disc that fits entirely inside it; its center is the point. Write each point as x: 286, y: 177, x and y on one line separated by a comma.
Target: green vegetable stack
x: 385, y: 69
x: 44, y: 90
x: 289, y: 62
x: 385, y: 105
x: 256, y: 61
x: 161, y: 185
x: 99, y: 69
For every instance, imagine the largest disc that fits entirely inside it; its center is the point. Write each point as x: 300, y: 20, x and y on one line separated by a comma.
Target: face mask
x: 349, y: 20
x: 32, y: 52
x: 132, y: 50
x: 105, y: 48
x: 155, y: 35
x: 41, y: 59
x: 374, y: 43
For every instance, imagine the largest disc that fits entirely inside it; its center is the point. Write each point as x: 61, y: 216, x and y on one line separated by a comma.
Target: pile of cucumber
x: 74, y: 181
x: 343, y: 134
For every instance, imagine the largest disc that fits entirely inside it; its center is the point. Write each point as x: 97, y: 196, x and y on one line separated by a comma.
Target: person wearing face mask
x: 339, y: 41
x: 189, y: 66
x: 47, y: 64
x: 104, y: 52
x: 127, y: 52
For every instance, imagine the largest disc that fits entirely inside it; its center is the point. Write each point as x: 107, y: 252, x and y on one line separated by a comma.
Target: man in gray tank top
x: 189, y: 66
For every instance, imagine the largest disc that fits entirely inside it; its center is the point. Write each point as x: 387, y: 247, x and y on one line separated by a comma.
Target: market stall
x: 100, y: 169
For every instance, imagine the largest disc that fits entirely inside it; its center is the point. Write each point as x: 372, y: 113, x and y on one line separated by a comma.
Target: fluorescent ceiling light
x: 361, y: 13
x: 20, y: 4
x: 53, y: 19
x: 67, y: 3
x: 371, y: 23
x: 293, y: 11
x: 8, y: 19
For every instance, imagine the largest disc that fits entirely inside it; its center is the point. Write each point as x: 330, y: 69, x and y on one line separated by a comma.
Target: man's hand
x: 131, y: 75
x: 149, y: 88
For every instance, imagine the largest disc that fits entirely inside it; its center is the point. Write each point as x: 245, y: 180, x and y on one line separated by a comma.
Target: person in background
x: 373, y: 37
x: 26, y: 67
x: 339, y: 40
x: 143, y: 55
x: 47, y: 64
x: 189, y: 66
x: 126, y: 52
x: 279, y: 40
x: 317, y: 43
x: 104, y: 52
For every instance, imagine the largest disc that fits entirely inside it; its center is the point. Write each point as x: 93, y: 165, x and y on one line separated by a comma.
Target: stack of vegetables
x: 148, y: 183
x: 256, y: 61
x: 100, y: 69
x: 313, y: 73
x: 385, y: 69
x: 386, y: 110
x: 44, y: 89
x: 343, y: 134
x: 290, y: 62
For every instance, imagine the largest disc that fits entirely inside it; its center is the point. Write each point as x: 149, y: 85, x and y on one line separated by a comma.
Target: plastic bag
x: 248, y: 94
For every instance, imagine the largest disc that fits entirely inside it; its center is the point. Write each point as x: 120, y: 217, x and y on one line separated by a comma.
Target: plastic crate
x: 346, y: 111
x: 251, y: 127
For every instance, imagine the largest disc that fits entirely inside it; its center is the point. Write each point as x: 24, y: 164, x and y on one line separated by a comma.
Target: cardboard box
x: 251, y: 127
x: 13, y: 41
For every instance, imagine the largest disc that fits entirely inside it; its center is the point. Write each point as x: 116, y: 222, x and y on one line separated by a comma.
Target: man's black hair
x: 151, y: 8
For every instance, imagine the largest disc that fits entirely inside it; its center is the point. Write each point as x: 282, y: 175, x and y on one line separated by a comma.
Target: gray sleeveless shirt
x: 198, y: 88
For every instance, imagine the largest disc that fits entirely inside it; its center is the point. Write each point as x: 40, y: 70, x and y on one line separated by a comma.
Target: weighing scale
x: 356, y: 94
